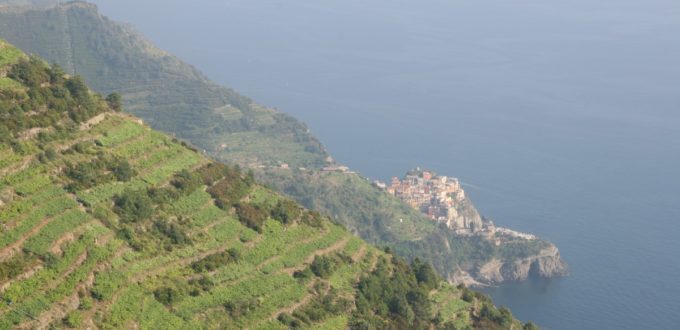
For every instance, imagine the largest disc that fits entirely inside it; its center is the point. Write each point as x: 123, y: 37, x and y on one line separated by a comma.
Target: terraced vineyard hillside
x: 106, y: 223
x: 174, y: 97
x: 169, y: 94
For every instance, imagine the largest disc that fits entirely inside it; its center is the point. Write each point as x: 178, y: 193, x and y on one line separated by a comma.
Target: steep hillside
x: 381, y: 219
x: 106, y: 223
x: 172, y: 96
x: 169, y: 94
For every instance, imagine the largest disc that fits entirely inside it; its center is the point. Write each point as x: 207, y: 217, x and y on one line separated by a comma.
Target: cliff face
x: 467, y: 216
x: 483, y: 253
x: 545, y: 264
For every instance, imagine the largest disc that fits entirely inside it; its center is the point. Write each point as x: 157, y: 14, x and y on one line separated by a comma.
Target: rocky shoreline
x: 443, y: 200
x: 546, y: 264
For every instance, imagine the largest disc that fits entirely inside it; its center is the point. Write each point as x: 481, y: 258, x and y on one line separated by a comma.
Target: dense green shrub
x: 530, y: 326
x: 303, y: 274
x: 32, y: 72
x: 312, y: 218
x: 499, y: 318
x: 122, y: 170
x: 73, y: 319
x: 133, y: 205
x: 163, y: 195
x: 202, y: 284
x: 252, y: 216
x: 186, y: 182
x: 98, y: 171
x: 215, y: 261
x: 167, y: 295
x: 86, y: 303
x: 213, y: 172
x: 228, y: 192
x: 226, y: 184
x: 286, y: 211
x: 425, y: 274
x: 174, y: 232
x: 323, y: 266
x: 238, y: 308
x: 115, y: 102
x: 67, y: 100
x: 392, y: 297
x: 289, y: 321
x: 105, y: 284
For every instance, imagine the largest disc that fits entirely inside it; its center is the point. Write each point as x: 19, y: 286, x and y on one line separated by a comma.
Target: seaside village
x: 443, y: 199
x: 440, y: 198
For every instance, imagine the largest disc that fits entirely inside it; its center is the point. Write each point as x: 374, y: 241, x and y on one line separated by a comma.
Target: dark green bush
x: 115, y: 101
x: 167, y: 295
x: 215, y: 261
x: 238, y: 308
x: 172, y: 231
x: 101, y: 170
x: 73, y: 319
x: 252, y: 216
x: 133, y: 205
x: 322, y: 266
x: 286, y: 211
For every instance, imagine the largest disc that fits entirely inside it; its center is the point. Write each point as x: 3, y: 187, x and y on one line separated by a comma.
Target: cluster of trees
x: 101, y: 170
x: 171, y: 231
x: 133, y: 206
x: 286, y: 211
x: 167, y: 295
x: 142, y: 225
x: 327, y: 303
x: 228, y: 185
x: 231, y: 189
x: 395, y: 295
x: 49, y: 97
x: 323, y: 266
x: 238, y: 308
x: 216, y: 260
x: 251, y: 215
x: 175, y: 290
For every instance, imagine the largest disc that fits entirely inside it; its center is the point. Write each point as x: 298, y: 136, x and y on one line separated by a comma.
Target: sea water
x: 561, y: 117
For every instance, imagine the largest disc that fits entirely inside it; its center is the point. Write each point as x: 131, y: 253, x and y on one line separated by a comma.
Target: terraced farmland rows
x: 40, y: 214
x: 105, y: 223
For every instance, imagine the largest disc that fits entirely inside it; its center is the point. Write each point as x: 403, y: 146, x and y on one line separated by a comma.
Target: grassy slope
x: 383, y: 220
x: 169, y: 94
x: 69, y: 257
x: 348, y: 197
x: 173, y: 97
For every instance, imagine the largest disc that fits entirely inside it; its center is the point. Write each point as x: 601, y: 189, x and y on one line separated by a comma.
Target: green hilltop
x: 107, y: 223
x: 174, y: 97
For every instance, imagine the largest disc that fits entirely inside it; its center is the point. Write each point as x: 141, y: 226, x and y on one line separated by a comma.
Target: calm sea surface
x: 562, y: 117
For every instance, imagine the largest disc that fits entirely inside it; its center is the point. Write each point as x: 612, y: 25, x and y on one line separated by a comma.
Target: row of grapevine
x: 42, y: 214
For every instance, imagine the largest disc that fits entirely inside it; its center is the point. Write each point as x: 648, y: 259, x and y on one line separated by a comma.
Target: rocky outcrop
x: 545, y: 264
x: 464, y: 215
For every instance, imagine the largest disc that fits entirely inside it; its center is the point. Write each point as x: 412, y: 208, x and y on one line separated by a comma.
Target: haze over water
x: 562, y: 116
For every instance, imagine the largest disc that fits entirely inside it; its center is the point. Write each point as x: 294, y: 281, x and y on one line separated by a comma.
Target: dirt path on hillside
x: 93, y: 121
x: 359, y: 254
x: 336, y: 246
x: 302, y: 302
x: 8, y: 251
